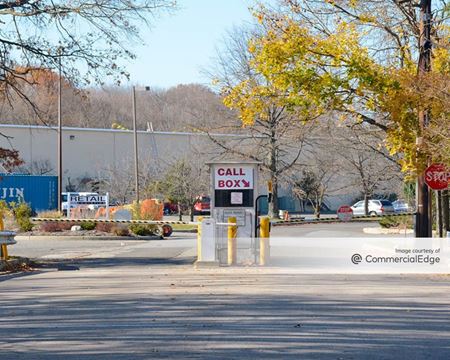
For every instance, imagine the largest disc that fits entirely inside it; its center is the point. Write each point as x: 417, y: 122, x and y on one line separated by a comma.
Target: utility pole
x: 59, y: 150
x: 136, y: 168
x: 423, y: 196
x: 136, y: 164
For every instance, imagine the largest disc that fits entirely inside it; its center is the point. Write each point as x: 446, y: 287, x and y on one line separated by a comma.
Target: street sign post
x: 437, y: 176
x: 345, y: 213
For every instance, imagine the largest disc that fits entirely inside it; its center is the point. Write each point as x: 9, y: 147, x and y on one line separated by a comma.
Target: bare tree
x: 36, y: 167
x: 312, y: 186
x: 365, y: 162
x: 183, y: 183
x: 277, y: 136
x: 83, y: 39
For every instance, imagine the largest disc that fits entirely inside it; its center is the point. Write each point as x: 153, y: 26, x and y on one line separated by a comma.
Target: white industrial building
x: 87, y: 152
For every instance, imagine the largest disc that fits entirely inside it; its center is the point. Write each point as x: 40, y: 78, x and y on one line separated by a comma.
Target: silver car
x: 376, y: 207
x: 401, y: 206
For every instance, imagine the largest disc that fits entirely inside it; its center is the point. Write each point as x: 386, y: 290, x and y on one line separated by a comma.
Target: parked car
x: 202, y: 205
x: 376, y: 207
x: 401, y: 206
x: 170, y: 208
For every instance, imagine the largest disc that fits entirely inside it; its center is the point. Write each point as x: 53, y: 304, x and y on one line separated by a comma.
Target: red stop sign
x: 436, y: 177
x: 345, y: 213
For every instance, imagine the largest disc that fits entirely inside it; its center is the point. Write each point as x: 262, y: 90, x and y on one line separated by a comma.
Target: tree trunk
x: 445, y: 211
x: 366, y: 204
x: 191, y: 212
x: 180, y: 214
x: 317, y: 211
x: 273, y: 206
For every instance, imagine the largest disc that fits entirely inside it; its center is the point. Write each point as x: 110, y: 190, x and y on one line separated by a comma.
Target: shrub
x: 142, y: 230
x: 135, y: 211
x: 396, y: 221
x: 55, y: 226
x: 120, y: 231
x: 388, y: 222
x: 22, y: 213
x: 87, y: 225
x: 104, y: 227
x: 4, y: 208
x: 51, y: 215
x: 151, y: 209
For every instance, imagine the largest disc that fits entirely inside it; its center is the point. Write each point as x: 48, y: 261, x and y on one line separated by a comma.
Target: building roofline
x: 69, y: 128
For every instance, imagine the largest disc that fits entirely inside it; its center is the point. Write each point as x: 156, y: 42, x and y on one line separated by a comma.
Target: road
x: 65, y: 248
x: 177, y: 244
x: 350, y: 229
x: 144, y: 300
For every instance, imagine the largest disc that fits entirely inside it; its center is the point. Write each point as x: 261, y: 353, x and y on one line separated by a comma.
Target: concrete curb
x: 185, y: 231
x: 386, y: 231
x: 77, y: 237
x: 323, y: 221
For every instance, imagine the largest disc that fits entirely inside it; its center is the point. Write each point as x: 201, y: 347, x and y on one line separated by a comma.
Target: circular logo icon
x: 356, y: 259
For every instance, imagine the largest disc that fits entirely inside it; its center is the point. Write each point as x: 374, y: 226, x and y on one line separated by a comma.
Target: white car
x: 376, y: 207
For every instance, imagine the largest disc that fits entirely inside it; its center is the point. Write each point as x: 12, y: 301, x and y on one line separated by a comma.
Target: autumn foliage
x: 337, y: 59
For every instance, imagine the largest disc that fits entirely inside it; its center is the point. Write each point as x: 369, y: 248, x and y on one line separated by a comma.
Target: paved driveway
x: 171, y: 311
x: 144, y: 300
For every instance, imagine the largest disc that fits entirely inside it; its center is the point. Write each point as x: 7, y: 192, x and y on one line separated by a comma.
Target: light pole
x: 59, y: 131
x: 423, y: 212
x: 136, y: 165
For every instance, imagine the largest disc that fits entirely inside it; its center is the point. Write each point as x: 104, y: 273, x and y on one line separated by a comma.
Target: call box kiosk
x: 234, y: 190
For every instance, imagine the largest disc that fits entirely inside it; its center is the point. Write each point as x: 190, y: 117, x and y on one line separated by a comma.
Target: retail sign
x: 233, y: 177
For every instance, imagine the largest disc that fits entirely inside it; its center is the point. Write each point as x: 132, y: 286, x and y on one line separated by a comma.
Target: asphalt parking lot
x: 145, y: 300
x: 143, y: 311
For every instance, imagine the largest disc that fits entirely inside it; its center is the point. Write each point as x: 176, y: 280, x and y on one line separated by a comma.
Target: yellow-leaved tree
x: 358, y: 59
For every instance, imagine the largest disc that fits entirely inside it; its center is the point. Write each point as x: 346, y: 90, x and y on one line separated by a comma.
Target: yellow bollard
x: 199, y: 238
x: 232, y: 232
x: 264, y: 241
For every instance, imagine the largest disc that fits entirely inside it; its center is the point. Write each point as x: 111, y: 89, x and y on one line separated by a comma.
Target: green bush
x: 142, y: 230
x: 4, y: 208
x: 389, y: 222
x: 22, y: 213
x: 396, y: 221
x: 135, y: 211
x: 88, y: 225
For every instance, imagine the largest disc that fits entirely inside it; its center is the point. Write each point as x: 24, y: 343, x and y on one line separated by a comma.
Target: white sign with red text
x: 233, y: 177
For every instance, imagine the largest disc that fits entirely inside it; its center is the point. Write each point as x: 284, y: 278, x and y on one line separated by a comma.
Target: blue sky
x: 180, y: 44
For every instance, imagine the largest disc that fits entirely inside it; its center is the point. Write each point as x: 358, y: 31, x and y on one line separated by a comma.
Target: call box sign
x: 233, y: 178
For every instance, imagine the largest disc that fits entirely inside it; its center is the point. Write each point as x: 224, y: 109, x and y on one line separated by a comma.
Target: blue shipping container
x: 40, y: 192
